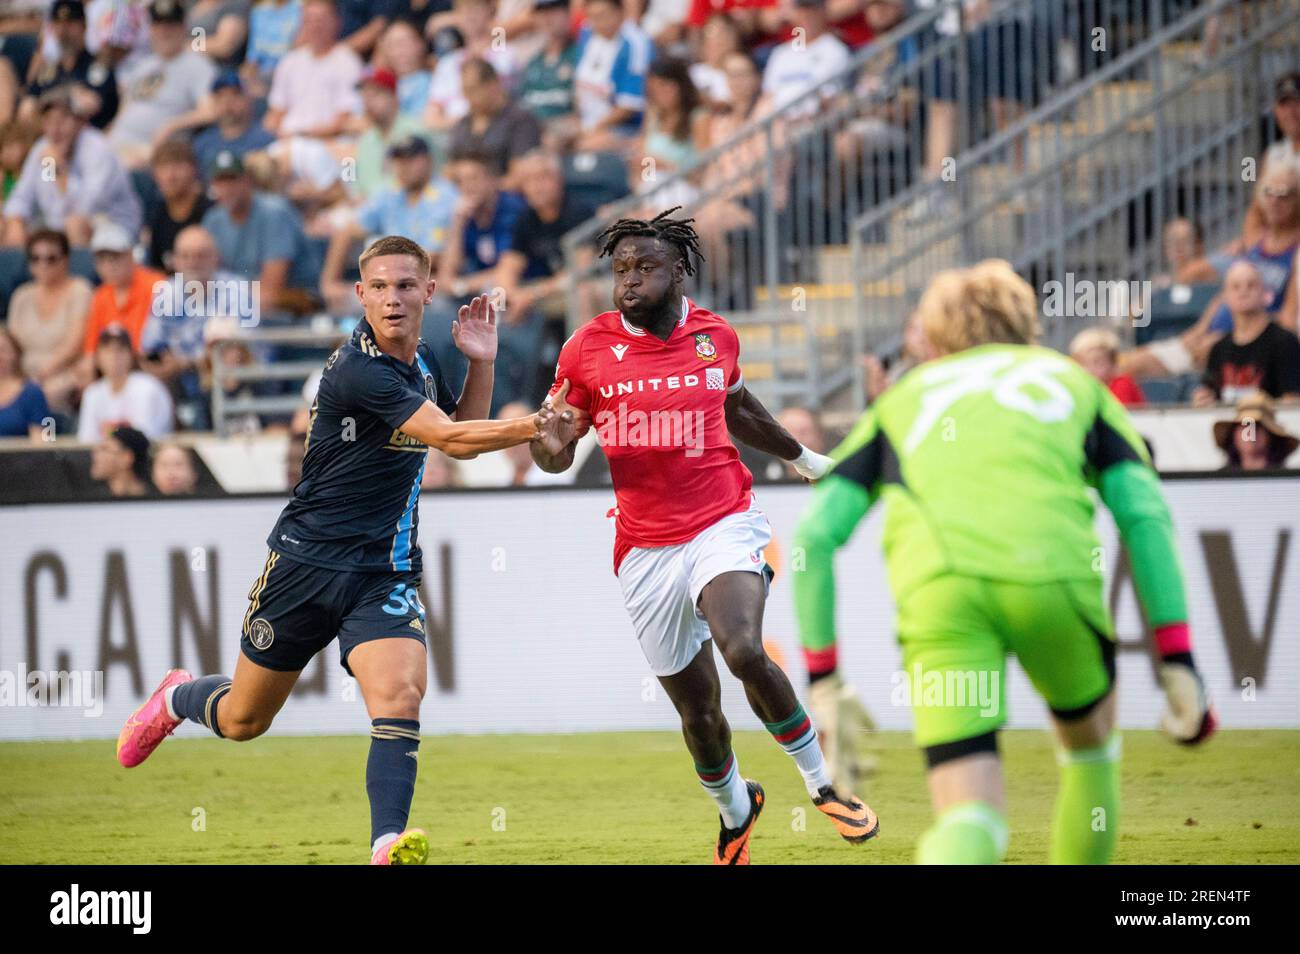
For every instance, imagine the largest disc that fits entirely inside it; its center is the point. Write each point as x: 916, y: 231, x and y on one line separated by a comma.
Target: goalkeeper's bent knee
x: 972, y: 833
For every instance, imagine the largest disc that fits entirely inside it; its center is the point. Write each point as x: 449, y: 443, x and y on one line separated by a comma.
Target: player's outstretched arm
x: 749, y: 422
x: 466, y: 439
x: 1130, y: 489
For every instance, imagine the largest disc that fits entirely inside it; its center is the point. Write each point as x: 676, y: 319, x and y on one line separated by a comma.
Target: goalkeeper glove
x: 1189, y: 716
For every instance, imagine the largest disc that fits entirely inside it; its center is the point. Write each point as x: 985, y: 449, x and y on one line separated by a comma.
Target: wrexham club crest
x: 704, y: 349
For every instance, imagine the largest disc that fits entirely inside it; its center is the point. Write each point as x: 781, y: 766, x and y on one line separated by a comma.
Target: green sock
x: 1085, y: 826
x: 972, y: 833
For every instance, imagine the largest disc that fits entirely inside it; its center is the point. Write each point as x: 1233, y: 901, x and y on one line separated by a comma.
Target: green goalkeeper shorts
x: 956, y: 631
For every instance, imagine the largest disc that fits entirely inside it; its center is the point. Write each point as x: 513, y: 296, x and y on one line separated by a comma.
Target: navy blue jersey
x: 355, y: 506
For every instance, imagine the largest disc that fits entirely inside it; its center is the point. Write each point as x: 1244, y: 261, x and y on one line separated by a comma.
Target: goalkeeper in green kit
x: 984, y: 457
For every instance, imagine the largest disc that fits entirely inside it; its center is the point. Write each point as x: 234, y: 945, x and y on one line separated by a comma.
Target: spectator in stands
x: 1183, y: 245
x: 272, y: 27
x: 719, y: 39
x: 524, y: 471
x: 23, y: 410
x: 403, y: 51
x: 1257, y: 354
x: 124, y: 298
x: 382, y: 124
x: 494, y: 126
x: 166, y: 93
x: 675, y: 129
x: 1254, y: 439
x: 1283, y: 153
x: 547, y: 87
x: 93, y: 81
x: 183, y: 201
x: 120, y: 460
x: 1097, y: 352
x: 916, y: 350
x: 362, y: 22
x: 117, y: 31
x: 307, y: 173
x: 887, y: 101
x: 475, y: 28
x: 735, y: 179
x: 482, y: 223
x: 225, y: 348
x: 172, y: 344
x: 223, y: 27
x: 482, y: 229
x: 47, y: 318
x: 259, y: 236
x: 420, y: 208
x: 531, y: 271
x: 174, y: 473
x: 87, y: 179
x: 1277, y: 196
x: 123, y: 395
x: 314, y: 88
x: 233, y: 129
x: 806, y: 62
x: 609, y: 82
x: 16, y: 140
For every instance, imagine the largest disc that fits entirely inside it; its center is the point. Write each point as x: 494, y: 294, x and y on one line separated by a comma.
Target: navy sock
x: 197, y: 700
x: 390, y: 774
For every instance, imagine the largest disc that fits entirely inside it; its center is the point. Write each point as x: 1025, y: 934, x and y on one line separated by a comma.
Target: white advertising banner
x: 526, y: 624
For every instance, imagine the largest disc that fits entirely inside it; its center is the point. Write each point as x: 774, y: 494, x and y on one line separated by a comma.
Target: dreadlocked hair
x: 678, y: 232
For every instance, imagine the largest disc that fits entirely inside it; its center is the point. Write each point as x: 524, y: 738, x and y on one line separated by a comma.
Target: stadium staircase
x: 1078, y: 186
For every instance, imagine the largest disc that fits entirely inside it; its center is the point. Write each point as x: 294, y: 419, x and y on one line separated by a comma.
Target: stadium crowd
x: 171, y: 169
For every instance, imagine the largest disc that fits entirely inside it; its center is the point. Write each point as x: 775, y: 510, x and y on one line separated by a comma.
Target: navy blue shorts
x: 296, y: 610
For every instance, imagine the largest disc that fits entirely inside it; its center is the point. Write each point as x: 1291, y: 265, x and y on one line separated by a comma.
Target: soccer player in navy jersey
x: 343, y: 558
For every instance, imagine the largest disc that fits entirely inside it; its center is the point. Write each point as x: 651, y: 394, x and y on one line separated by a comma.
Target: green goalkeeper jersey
x: 984, y: 461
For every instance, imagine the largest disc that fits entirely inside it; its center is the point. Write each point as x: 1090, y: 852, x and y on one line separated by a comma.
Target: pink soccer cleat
x: 149, y: 724
x: 411, y: 847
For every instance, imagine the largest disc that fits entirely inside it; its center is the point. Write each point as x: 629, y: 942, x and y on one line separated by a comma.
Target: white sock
x: 167, y: 701
x: 383, y: 840
x: 812, y: 766
x: 731, y: 796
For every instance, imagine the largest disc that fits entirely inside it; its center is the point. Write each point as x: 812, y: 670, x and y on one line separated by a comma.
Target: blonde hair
x: 987, y: 303
x: 1091, y: 338
x: 394, y: 245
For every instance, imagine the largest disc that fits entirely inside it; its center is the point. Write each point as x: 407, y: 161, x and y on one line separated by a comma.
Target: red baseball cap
x: 380, y: 77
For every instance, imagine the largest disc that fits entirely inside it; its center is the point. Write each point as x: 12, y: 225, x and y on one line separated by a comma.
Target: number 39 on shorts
x: 1049, y: 401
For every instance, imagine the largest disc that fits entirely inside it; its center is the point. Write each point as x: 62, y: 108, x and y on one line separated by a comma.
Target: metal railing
x: 821, y: 220
x: 227, y: 408
x: 1167, y: 128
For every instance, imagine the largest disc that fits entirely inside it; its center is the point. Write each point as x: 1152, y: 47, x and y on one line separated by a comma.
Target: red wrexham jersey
x: 657, y: 409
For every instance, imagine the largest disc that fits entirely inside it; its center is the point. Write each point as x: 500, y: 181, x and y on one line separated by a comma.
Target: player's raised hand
x: 475, y: 330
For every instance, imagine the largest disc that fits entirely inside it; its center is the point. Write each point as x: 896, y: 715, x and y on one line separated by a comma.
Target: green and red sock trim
x: 719, y: 775
x: 794, y: 733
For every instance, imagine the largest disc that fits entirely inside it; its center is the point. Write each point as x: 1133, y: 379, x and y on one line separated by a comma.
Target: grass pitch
x: 599, y: 798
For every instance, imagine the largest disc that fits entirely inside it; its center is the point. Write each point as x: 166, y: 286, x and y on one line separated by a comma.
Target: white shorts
x: 662, y: 585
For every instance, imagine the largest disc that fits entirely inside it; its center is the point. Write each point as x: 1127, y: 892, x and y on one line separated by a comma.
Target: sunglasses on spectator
x: 44, y: 259
x: 1277, y: 192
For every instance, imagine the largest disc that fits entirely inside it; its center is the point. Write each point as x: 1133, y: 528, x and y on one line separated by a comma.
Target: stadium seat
x: 1175, y: 389
x: 1173, y: 310
x: 600, y: 177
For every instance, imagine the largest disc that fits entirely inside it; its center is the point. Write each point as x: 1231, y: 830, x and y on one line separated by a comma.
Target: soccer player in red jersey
x: 659, y: 378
